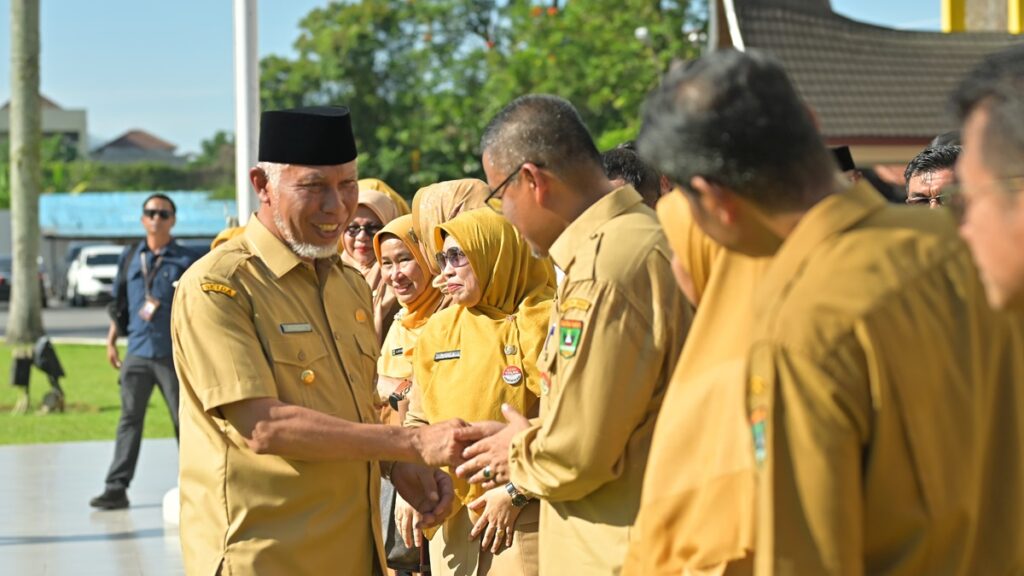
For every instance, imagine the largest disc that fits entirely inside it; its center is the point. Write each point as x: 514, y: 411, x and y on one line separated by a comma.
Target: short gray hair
x: 539, y: 128
x: 273, y: 171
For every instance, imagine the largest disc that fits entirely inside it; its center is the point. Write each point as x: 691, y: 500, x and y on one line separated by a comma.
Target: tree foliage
x: 422, y: 77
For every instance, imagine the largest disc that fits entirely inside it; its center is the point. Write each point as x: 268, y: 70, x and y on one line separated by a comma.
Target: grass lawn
x: 92, y: 397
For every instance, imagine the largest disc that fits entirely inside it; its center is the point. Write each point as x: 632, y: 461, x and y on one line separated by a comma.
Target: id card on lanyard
x: 151, y: 304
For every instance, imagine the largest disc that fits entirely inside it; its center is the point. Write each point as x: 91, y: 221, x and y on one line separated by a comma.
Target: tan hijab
x: 438, y: 203
x: 384, y: 302
x: 382, y: 186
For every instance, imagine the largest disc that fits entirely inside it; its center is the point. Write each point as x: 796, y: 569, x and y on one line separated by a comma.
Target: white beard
x: 302, y: 249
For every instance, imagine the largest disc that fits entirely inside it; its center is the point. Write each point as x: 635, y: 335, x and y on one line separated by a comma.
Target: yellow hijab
x: 419, y: 310
x: 384, y: 302
x: 468, y: 361
x: 694, y: 251
x: 438, y: 203
x: 382, y: 186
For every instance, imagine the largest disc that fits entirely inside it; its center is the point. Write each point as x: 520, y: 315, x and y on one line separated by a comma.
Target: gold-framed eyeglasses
x: 493, y: 199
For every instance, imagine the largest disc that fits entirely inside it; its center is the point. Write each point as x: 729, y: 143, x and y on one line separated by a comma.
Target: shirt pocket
x: 299, y: 362
x: 360, y: 357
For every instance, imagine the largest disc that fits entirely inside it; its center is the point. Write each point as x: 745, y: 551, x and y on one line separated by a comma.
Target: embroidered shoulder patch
x: 569, y: 332
x: 219, y: 288
x: 574, y: 304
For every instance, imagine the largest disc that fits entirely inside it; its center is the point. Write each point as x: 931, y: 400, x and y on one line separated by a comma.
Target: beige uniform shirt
x: 885, y: 400
x: 697, y: 510
x: 618, y: 326
x: 252, y: 320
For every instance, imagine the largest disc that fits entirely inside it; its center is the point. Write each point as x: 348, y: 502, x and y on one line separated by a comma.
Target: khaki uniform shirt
x: 697, y: 509
x: 885, y: 400
x: 252, y: 320
x: 618, y: 326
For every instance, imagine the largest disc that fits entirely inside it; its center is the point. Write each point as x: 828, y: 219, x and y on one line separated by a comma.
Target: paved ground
x: 65, y: 324
x: 48, y: 529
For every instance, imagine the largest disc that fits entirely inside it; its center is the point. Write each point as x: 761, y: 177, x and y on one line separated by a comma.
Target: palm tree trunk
x: 24, y: 323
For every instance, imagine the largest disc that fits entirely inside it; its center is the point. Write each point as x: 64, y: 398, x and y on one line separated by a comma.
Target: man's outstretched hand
x: 486, y: 460
x: 438, y: 445
x: 428, y: 490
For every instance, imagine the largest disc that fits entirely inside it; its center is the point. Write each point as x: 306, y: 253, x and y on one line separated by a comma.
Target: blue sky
x: 166, y: 67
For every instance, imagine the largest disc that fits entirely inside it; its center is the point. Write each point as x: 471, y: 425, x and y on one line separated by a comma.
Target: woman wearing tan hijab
x: 375, y: 209
x: 438, y: 203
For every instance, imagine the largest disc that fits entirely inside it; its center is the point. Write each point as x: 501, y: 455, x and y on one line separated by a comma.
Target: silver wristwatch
x: 518, y: 499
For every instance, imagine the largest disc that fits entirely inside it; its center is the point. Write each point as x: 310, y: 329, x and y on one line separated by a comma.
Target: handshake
x: 477, y: 452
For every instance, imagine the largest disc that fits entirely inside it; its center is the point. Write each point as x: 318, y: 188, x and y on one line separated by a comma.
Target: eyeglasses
x: 958, y: 203
x: 457, y: 258
x: 493, y: 199
x: 152, y: 214
x: 353, y: 230
x: 941, y: 199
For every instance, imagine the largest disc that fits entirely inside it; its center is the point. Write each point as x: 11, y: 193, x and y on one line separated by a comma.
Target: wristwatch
x: 518, y: 498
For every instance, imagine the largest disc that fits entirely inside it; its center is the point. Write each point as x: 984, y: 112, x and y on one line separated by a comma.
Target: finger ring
x: 499, y: 531
x: 487, y: 472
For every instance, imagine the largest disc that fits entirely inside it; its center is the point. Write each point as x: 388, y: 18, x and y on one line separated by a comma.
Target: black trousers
x: 138, y: 377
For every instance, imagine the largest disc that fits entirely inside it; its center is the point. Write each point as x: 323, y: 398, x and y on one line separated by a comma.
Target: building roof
x: 111, y: 215
x: 139, y: 139
x: 868, y: 84
x: 44, y: 102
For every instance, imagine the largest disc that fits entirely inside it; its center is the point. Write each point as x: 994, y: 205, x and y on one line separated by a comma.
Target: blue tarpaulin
x: 117, y: 214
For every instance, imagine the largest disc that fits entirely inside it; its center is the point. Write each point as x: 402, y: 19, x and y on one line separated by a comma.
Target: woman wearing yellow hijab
x: 470, y: 359
x: 405, y: 272
x: 375, y: 209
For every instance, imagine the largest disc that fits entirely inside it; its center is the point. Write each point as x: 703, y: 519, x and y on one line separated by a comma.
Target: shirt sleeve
x: 216, y: 346
x: 601, y: 394
x: 810, y: 513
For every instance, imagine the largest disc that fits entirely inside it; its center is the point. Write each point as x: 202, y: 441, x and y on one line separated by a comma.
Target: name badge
x: 398, y: 351
x: 449, y: 355
x: 296, y: 328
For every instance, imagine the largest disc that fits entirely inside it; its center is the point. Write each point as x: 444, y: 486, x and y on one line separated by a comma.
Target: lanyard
x: 147, y: 276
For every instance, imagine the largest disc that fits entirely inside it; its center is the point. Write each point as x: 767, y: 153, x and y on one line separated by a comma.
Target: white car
x: 91, y: 274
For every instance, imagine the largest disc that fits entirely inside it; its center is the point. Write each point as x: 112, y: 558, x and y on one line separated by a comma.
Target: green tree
x: 423, y: 76
x: 214, y: 168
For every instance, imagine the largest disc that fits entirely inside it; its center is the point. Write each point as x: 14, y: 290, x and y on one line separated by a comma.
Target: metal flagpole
x: 247, y: 104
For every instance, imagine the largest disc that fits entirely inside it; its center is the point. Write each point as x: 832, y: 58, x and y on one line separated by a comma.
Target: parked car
x: 6, y: 275
x: 60, y: 279
x: 91, y: 274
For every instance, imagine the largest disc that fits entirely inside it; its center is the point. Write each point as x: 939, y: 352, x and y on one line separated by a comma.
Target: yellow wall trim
x: 1015, y: 16
x: 954, y: 15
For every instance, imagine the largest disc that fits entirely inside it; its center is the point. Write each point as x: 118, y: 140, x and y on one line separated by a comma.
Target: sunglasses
x: 353, y: 230
x: 457, y: 258
x: 152, y: 214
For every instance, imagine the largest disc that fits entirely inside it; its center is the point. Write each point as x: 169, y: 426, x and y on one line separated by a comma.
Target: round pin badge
x: 360, y: 315
x: 512, y: 375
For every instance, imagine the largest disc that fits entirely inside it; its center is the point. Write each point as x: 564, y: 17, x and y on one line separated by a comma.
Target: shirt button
x: 302, y: 356
x: 336, y: 336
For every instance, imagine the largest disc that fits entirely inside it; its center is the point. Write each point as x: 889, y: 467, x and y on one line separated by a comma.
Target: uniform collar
x: 278, y: 257
x: 586, y: 226
x: 833, y: 215
x: 170, y: 248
